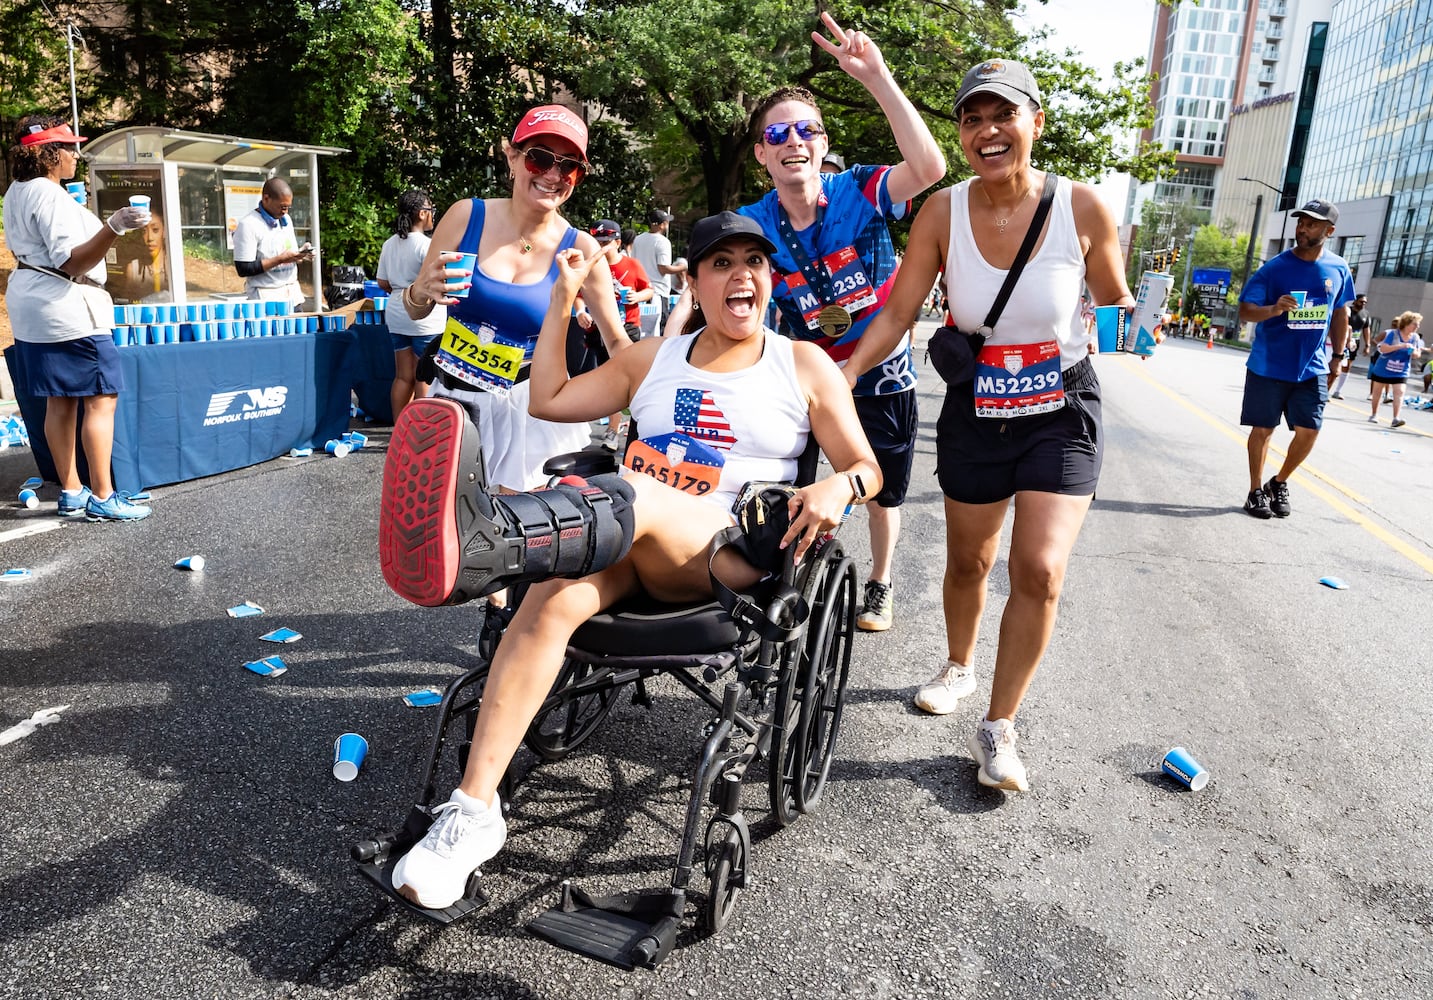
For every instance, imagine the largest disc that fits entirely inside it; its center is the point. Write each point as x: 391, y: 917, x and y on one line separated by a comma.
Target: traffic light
x: 1175, y: 258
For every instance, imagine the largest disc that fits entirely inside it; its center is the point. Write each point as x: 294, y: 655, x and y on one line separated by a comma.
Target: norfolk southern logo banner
x: 245, y: 404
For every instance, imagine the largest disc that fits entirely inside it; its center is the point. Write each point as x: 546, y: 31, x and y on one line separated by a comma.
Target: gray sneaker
x: 993, y: 747
x: 877, y: 607
x: 941, y: 694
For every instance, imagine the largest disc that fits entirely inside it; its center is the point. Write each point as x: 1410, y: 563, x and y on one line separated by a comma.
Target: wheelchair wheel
x: 561, y: 729
x: 726, y: 872
x: 833, y: 624
x: 790, y: 744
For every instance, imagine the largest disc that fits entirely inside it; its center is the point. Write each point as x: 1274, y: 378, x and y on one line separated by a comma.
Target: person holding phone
x: 266, y: 249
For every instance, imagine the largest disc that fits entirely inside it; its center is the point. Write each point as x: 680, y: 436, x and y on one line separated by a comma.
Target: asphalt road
x: 177, y: 832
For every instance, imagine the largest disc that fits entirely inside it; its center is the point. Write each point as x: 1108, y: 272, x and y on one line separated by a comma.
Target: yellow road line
x: 1413, y: 555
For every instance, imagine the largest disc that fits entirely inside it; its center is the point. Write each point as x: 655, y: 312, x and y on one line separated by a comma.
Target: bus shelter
x: 199, y: 186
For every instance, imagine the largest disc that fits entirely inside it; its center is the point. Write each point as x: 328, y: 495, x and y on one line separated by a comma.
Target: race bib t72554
x: 479, y: 355
x: 1018, y: 380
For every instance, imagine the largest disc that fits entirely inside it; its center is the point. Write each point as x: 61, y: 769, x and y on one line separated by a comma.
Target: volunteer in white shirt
x: 266, y: 250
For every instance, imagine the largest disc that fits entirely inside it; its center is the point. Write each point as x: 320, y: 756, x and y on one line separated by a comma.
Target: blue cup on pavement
x: 459, y: 283
x: 349, y: 752
x: 1180, y: 765
x: 29, y: 499
x: 1111, y: 328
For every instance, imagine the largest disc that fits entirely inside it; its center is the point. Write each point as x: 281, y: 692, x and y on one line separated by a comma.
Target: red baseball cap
x: 552, y: 119
x: 60, y: 133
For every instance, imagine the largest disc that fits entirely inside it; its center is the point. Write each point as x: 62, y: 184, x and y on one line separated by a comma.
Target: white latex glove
x: 127, y: 218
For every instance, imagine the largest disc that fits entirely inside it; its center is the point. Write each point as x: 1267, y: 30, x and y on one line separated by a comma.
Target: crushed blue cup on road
x: 424, y: 698
x: 1333, y: 582
x: 246, y: 610
x: 1180, y: 765
x: 336, y: 447
x: 17, y: 575
x: 354, y: 439
x: 269, y: 666
x: 29, y: 499
x: 192, y: 563
x: 349, y: 752
x: 300, y: 452
x: 281, y: 635
x: 33, y: 483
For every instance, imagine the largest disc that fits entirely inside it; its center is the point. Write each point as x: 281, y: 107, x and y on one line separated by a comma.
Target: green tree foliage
x: 424, y: 91
x: 688, y: 76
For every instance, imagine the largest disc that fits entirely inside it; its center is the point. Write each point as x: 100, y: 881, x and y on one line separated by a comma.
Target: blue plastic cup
x: 191, y: 314
x: 460, y: 275
x: 1183, y: 768
x: 29, y: 499
x: 337, y: 448
x: 349, y: 752
x: 1299, y: 299
x: 1111, y: 328
x: 194, y: 564
x: 120, y: 334
x: 77, y: 190
x: 146, y: 315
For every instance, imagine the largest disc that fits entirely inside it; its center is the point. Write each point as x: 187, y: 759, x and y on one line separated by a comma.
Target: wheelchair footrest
x: 473, y: 899
x: 627, y: 930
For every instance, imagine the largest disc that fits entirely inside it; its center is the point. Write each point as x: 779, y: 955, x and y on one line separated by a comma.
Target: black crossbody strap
x: 1042, y: 210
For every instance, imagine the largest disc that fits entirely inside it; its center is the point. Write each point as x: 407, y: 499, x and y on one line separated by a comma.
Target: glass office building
x: 1371, y: 135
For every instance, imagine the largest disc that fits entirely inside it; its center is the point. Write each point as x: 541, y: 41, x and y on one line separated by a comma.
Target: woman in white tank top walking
x: 1001, y: 434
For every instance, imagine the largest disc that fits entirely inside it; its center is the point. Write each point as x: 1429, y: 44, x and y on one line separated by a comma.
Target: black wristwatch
x: 858, y: 488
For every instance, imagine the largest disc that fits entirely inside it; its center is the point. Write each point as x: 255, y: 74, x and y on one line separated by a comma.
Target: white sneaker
x: 464, y: 834
x: 993, y: 747
x: 611, y: 441
x: 940, y: 695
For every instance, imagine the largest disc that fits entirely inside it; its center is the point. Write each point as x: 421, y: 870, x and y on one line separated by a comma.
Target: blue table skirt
x: 198, y: 409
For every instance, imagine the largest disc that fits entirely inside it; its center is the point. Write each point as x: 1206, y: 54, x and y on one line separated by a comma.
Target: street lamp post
x: 1283, y: 228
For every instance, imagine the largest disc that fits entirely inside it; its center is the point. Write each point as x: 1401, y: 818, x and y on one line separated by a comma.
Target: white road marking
x: 20, y: 730
x: 24, y: 531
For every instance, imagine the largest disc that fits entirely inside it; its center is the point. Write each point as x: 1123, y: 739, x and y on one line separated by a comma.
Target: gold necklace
x: 524, y: 244
x: 1001, y: 223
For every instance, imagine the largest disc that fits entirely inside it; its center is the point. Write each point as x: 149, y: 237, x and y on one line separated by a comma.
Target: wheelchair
x: 772, y: 671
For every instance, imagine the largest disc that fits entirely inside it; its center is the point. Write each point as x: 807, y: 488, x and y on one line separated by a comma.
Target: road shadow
x: 1158, y: 509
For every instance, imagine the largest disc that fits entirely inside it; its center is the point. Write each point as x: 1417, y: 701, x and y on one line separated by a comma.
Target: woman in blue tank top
x: 497, y: 311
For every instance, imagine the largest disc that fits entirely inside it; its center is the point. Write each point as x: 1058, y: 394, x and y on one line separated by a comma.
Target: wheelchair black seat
x: 643, y: 626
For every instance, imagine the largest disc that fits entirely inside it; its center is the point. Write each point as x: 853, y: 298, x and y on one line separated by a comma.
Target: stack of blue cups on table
x: 138, y: 325
x: 374, y: 292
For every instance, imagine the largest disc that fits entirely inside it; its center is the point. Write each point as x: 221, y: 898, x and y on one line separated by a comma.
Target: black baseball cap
x: 656, y: 217
x: 1001, y: 77
x: 714, y: 229
x: 606, y: 231
x: 1324, y: 211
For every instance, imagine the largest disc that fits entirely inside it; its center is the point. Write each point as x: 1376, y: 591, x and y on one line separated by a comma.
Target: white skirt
x: 516, y: 444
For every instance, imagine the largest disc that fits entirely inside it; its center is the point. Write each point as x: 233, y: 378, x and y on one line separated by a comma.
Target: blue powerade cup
x: 1180, y: 765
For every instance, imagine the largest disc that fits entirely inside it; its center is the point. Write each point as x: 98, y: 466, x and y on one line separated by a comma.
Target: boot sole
x: 418, y: 541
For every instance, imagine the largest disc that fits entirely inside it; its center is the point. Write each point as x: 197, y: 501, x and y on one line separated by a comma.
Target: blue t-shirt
x: 1395, y: 364
x: 1292, y: 346
x: 854, y: 207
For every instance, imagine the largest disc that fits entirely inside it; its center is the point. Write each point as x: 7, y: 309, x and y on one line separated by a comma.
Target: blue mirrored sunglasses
x: 777, y: 132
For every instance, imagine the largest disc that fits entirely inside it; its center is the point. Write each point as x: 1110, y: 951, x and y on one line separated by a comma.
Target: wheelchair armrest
x: 588, y: 462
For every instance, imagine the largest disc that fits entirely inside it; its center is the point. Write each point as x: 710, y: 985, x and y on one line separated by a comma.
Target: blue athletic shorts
x: 85, y: 367
x: 1266, y: 399
x: 890, y: 423
x: 417, y: 344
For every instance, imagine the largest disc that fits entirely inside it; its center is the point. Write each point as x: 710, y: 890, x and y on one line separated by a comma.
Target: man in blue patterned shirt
x: 835, y: 265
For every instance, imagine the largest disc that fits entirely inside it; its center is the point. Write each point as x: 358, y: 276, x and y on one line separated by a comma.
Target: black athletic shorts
x: 986, y: 459
x: 890, y: 423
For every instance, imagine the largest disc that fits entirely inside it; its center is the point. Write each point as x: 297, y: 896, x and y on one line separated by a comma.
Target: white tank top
x: 1045, y: 304
x: 722, y: 428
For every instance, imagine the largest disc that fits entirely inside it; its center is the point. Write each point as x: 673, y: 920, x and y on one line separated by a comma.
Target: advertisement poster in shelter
x: 138, y: 263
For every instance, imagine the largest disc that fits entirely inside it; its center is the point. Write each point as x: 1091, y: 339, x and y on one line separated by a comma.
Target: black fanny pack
x: 763, y: 516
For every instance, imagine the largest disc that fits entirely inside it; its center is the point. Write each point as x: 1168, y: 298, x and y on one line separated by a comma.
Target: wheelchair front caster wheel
x: 728, y: 877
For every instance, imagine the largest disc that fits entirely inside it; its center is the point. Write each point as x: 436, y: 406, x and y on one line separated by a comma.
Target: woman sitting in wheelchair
x: 726, y: 403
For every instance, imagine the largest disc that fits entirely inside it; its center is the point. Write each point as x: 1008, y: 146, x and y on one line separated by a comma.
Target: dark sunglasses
x: 777, y: 132
x: 539, y: 160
